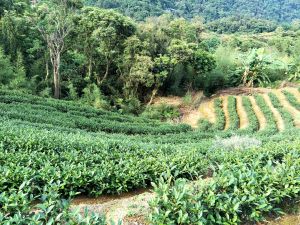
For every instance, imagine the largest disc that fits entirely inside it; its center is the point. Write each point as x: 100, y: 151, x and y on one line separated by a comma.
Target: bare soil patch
x: 191, y: 117
x: 243, y: 91
x: 129, y: 208
x: 207, y: 111
x: 244, y: 122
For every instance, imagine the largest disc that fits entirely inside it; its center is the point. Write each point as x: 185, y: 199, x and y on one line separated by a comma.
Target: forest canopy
x: 102, y: 57
x: 275, y: 10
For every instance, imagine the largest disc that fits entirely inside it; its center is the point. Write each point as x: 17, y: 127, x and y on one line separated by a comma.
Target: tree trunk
x: 152, y: 97
x: 106, y: 71
x: 47, y: 71
x: 90, y: 68
x: 56, y: 76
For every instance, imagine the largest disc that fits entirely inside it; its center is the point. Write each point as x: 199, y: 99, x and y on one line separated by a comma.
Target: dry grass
x: 244, y: 122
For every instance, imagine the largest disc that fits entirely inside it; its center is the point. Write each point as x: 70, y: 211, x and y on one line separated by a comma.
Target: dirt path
x: 286, y: 220
x: 276, y: 114
x: 128, y: 208
x: 207, y: 111
x: 244, y: 122
x: 294, y: 112
x: 191, y: 118
x: 226, y: 113
x: 259, y: 114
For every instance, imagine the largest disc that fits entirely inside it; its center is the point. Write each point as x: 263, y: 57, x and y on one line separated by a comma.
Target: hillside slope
x: 280, y: 11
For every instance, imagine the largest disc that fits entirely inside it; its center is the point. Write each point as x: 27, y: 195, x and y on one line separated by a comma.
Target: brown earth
x: 129, y: 208
x: 244, y: 122
x: 207, y: 111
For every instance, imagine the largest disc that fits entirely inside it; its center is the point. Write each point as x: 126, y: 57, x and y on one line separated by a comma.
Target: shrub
x: 285, y: 114
x: 238, y: 193
x: 292, y: 99
x: 252, y: 118
x: 205, y: 125
x: 161, y: 112
x: 187, y: 99
x: 93, y: 96
x: 220, y: 122
x: 233, y: 115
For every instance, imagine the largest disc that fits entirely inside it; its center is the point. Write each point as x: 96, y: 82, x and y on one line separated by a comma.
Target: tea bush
x: 51, y: 150
x: 252, y: 118
x: 233, y: 115
x: 292, y: 99
x: 271, y: 127
x: 285, y: 114
x: 242, y: 191
x: 220, y: 122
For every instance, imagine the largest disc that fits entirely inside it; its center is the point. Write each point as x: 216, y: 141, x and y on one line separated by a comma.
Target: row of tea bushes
x: 247, y: 186
x: 234, y: 119
x: 253, y: 124
x: 285, y: 114
x: 292, y: 99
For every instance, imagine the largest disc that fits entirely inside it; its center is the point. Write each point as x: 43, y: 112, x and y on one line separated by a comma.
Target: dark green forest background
x: 275, y: 10
x: 121, y: 54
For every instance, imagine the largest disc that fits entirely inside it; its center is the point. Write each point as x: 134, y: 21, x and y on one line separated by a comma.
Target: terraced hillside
x: 52, y: 151
x: 274, y: 110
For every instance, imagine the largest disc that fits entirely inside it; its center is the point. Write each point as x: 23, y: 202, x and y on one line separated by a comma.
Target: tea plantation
x: 52, y: 150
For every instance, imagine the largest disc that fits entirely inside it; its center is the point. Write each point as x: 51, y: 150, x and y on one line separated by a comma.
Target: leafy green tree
x: 54, y: 21
x: 102, y: 34
x: 255, y: 68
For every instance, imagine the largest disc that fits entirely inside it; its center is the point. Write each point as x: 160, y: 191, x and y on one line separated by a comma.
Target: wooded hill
x: 275, y: 10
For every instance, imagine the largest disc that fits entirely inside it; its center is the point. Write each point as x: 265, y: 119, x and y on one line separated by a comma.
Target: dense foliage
x: 245, y: 187
x: 281, y: 11
x: 102, y: 66
x: 51, y: 150
x: 102, y: 58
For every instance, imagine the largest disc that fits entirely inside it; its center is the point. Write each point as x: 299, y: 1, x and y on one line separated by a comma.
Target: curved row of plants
x: 271, y: 126
x: 285, y: 114
x: 90, y: 164
x: 253, y: 124
x: 70, y: 107
x: 292, y: 99
x: 220, y: 115
x: 233, y: 115
x: 33, y: 113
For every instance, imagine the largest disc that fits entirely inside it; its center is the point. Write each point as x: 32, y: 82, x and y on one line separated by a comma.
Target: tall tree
x: 55, y: 23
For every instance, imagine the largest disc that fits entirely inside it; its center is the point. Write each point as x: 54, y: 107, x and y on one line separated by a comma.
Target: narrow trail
x: 207, y: 111
x: 276, y: 114
x: 128, y: 208
x: 191, y: 118
x: 294, y: 112
x: 244, y: 122
x: 226, y: 113
x: 259, y: 114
